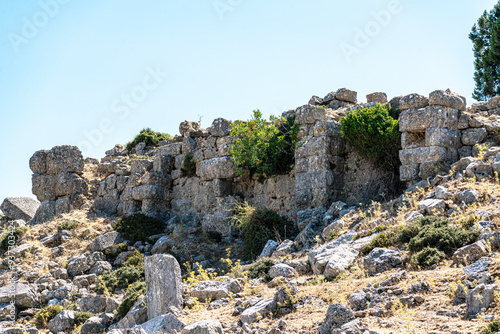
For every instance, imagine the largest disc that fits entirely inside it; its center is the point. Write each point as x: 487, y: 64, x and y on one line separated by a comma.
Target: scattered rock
x: 62, y: 322
x: 214, y: 290
x: 480, y: 298
x: 382, y: 259
x: 19, y: 207
x: 470, y: 253
x: 336, y: 316
x: 204, y: 327
x: 283, y: 270
x: 167, y: 323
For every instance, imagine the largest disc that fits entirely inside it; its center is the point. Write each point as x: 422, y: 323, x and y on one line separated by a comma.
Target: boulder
x: 315, y: 100
x: 187, y: 126
x: 377, y: 97
x: 413, y: 216
x: 220, y: 127
x: 283, y: 270
x: 214, y: 290
x: 163, y: 245
x: 480, y: 298
x: 216, y: 168
x: 269, y: 248
x: 336, y: 316
x: 137, y: 315
x: 480, y: 266
x: 163, y: 284
x: 19, y: 207
x: 447, y: 98
x: 462, y: 164
x: 468, y: 196
x: 63, y: 322
x: 82, y: 264
x: 493, y: 103
x: 204, y: 327
x: 23, y: 295
x: 471, y: 253
x: 337, y: 255
x: 358, y: 301
x: 417, y: 120
x: 258, y: 311
x: 421, y: 155
x: 64, y: 159
x: 470, y: 137
x: 105, y: 241
x: 479, y: 169
x: 167, y: 323
x: 330, y: 230
x: 344, y: 94
x: 492, y: 238
x: 402, y: 103
x: 285, y: 248
x: 432, y: 206
x: 382, y: 259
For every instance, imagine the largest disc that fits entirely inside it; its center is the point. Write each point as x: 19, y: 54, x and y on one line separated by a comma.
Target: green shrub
x: 13, y: 235
x: 259, y: 268
x: 442, y: 236
x: 136, y: 260
x: 46, y: 314
x: 139, y: 227
x: 189, y: 165
x: 492, y: 328
x: 385, y: 239
x: 81, y: 317
x: 132, y: 294
x: 262, y: 147
x: 374, y: 134
x: 429, y: 240
x: 427, y: 257
x: 69, y: 225
x: 119, y: 279
x: 149, y: 137
x: 260, y: 225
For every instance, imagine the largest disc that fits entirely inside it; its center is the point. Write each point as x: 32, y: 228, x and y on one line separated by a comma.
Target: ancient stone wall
x: 439, y: 130
x: 193, y: 174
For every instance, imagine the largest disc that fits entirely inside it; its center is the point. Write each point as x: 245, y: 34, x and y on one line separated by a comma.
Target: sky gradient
x: 94, y: 73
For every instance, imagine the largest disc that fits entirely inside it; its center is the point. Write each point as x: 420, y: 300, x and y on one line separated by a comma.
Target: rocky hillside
x: 119, y: 246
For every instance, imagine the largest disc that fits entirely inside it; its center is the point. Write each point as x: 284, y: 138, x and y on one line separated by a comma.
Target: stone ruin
x: 436, y: 132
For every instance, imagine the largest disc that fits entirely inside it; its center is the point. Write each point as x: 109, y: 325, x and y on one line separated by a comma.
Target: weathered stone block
x: 38, y: 162
x: 64, y: 159
x: 447, y: 99
x: 148, y: 192
x: 409, y: 172
x: 309, y: 114
x: 140, y: 166
x: 422, y: 154
x: 344, y: 94
x: 220, y: 127
x: 314, y: 179
x: 409, y: 101
x: 163, y: 164
x: 44, y: 187
x: 378, y: 97
x: 163, y: 284
x: 418, y: 120
x: 474, y: 136
x: 170, y: 149
x: 217, y: 168
x: 442, y: 137
x: 327, y: 128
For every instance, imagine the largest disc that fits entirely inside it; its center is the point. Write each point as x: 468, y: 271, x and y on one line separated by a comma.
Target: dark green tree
x: 485, y: 37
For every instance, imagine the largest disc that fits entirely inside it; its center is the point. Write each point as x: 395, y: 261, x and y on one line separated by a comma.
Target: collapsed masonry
x: 436, y: 131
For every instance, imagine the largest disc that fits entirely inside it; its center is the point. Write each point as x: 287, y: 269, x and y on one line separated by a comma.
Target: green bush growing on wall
x: 374, y: 134
x: 264, y: 147
x: 149, y: 137
x: 260, y: 225
x: 139, y: 227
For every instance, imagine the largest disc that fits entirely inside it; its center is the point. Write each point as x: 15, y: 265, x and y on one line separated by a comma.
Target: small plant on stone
x: 149, y: 137
x: 189, y: 165
x: 69, y: 225
x: 134, y: 291
x: 81, y: 317
x: 139, y: 227
x: 46, y: 314
x: 259, y: 268
x: 257, y: 226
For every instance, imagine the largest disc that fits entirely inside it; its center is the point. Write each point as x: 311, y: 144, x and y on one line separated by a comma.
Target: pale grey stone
x: 480, y: 298
x: 63, y: 322
x: 258, y: 311
x: 163, y: 284
x: 269, y: 249
x: 166, y: 323
x: 282, y: 269
x: 447, y: 99
x: 214, y: 290
x: 336, y: 316
x: 470, y: 253
x: 204, y: 327
x: 19, y: 207
x: 382, y: 259
x: 23, y: 295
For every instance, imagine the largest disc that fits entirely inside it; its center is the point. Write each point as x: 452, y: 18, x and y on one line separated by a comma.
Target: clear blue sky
x: 74, y: 70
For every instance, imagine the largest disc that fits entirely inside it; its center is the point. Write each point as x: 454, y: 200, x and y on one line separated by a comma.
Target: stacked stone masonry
x: 436, y: 132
